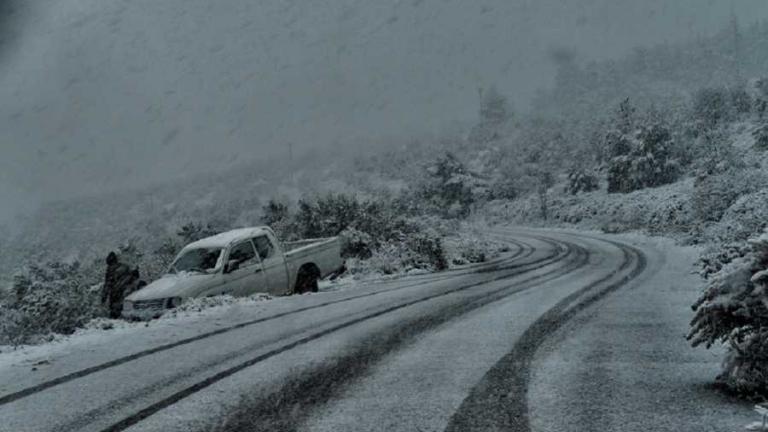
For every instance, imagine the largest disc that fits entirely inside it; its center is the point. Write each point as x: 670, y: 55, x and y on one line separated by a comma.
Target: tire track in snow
x: 500, y: 400
x: 562, y: 251
x: 524, y: 251
x: 286, y: 409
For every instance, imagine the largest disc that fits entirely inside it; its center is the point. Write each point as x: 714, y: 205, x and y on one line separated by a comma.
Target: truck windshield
x: 201, y: 260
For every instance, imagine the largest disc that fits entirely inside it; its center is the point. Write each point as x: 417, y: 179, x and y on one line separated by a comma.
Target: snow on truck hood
x: 173, y: 285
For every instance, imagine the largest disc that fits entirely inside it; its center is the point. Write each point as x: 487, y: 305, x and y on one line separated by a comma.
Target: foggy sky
x: 100, y: 94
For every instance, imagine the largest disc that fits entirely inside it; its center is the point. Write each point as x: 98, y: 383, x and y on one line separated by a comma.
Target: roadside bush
x: 641, y: 159
x: 428, y: 251
x: 734, y: 310
x: 504, y: 188
x: 326, y: 216
x: 711, y: 151
x: 162, y: 257
x: 581, y: 181
x: 55, y: 298
x: 356, y: 243
x: 761, y: 138
x: 421, y: 251
x: 741, y: 102
x: 746, y: 217
x: 472, y: 246
x: 369, y: 230
x: 714, y: 194
x: 193, y: 231
x: 715, y: 258
x: 277, y: 216
x: 448, y: 188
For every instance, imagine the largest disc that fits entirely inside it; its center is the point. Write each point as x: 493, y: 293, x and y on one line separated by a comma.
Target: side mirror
x: 231, y: 266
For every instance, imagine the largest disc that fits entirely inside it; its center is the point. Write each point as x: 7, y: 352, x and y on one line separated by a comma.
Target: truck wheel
x: 306, y: 281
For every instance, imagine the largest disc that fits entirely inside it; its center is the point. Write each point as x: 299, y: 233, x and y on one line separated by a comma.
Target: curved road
x: 454, y: 351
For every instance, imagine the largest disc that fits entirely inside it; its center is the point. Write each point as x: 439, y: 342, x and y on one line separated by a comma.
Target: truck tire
x: 306, y: 280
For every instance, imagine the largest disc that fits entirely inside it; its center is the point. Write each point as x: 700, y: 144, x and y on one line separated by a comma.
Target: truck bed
x: 325, y: 253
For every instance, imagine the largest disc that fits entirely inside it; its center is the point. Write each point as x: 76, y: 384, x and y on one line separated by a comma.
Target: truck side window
x: 264, y: 247
x: 244, y: 253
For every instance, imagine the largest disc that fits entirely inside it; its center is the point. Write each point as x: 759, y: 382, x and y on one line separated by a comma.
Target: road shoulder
x: 625, y: 364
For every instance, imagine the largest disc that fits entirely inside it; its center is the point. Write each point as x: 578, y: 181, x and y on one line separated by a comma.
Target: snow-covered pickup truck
x: 239, y: 263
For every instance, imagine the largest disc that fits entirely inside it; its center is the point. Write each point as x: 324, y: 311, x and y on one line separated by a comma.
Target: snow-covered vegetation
x: 734, y: 309
x: 671, y: 140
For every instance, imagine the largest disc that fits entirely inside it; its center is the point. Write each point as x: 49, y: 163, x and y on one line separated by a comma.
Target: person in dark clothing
x: 119, y: 281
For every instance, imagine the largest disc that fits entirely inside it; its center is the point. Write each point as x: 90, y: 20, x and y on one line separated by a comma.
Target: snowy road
x: 488, y: 347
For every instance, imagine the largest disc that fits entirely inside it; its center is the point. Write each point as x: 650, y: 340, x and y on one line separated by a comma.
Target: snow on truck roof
x: 226, y: 238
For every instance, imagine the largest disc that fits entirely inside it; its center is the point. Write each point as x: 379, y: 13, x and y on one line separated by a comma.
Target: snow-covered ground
x: 626, y: 365
x: 104, y: 330
x: 416, y: 365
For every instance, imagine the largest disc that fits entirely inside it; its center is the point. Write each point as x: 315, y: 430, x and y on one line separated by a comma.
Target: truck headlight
x: 172, y: 302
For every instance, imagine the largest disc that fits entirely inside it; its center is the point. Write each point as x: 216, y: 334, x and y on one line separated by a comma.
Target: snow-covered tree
x: 193, y: 231
x: 640, y: 154
x: 714, y: 105
x: 495, y: 112
x: 734, y: 310
x: 581, y: 180
x: 761, y: 137
x: 277, y: 216
x: 714, y: 193
x: 449, y: 187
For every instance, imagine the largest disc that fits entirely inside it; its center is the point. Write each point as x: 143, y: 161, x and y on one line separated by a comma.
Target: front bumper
x: 144, y: 309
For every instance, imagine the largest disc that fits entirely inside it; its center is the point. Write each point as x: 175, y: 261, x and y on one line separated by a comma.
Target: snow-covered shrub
x: 712, y: 105
x: 390, y: 259
x: 757, y: 88
x: 502, y: 189
x: 161, y: 259
x: 276, y: 215
x: 713, y: 260
x: 193, y: 231
x: 387, y: 260
x: 274, y: 212
x: 740, y: 100
x: 761, y: 138
x: 712, y: 151
x: 734, y: 310
x: 326, y: 215
x: 580, y: 180
x: 640, y: 160
x: 371, y: 229
x: 14, y: 326
x: 55, y: 298
x: 665, y: 209
x: 714, y: 194
x: 639, y: 155
x: 428, y: 252
x: 470, y: 246
x: 742, y: 220
x: 356, y: 243
x: 448, y: 188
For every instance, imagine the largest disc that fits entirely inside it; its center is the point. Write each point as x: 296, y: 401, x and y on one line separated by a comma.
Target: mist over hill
x: 104, y: 95
x: 567, y: 116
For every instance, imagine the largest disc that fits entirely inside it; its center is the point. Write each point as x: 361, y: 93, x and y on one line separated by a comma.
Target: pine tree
x: 495, y: 112
x: 734, y: 310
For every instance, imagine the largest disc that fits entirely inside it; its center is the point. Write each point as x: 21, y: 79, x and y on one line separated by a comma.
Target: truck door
x: 274, y: 265
x: 248, y: 276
